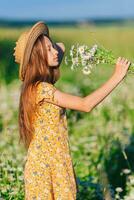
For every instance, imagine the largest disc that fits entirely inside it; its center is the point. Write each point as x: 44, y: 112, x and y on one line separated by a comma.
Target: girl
x: 49, y: 173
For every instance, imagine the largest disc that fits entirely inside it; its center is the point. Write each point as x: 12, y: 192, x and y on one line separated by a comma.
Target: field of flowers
x: 101, y: 142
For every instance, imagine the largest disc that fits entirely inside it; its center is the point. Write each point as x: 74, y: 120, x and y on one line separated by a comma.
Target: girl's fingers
x: 128, y: 63
x: 123, y: 61
x: 118, y: 60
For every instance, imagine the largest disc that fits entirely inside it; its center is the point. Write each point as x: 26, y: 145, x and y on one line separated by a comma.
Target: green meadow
x: 101, y: 142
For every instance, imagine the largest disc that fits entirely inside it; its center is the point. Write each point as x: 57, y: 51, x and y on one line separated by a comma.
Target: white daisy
x: 81, y: 49
x: 86, y: 70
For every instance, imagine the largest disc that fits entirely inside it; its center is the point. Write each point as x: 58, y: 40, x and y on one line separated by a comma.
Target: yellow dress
x: 49, y: 172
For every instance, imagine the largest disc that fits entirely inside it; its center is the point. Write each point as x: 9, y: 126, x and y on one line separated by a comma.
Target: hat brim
x: 61, y: 50
x: 38, y: 29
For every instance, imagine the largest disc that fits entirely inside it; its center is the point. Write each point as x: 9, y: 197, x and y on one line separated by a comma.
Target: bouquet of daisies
x: 86, y: 57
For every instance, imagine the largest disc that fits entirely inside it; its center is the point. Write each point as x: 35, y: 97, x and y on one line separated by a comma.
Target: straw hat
x: 25, y: 44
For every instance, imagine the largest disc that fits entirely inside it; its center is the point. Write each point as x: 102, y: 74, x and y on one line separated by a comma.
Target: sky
x: 65, y: 9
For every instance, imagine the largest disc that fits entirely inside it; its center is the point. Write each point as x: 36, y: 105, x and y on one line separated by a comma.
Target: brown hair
x: 37, y: 71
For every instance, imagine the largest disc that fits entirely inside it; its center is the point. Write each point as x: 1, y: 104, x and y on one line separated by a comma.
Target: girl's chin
x: 55, y: 64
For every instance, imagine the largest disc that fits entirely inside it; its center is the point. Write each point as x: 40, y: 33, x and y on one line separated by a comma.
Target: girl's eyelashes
x: 49, y: 47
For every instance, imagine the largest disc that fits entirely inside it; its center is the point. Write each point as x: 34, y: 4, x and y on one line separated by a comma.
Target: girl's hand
x: 121, y: 67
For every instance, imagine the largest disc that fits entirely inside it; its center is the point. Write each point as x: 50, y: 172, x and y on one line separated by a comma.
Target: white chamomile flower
x: 75, y: 61
x: 72, y: 47
x: 84, y: 56
x: 119, y: 189
x: 90, y: 66
x: 86, y: 70
x: 90, y: 55
x: 83, y: 62
x: 126, y: 171
x: 131, y: 178
x: 95, y: 46
x: 71, y: 53
x: 98, y: 61
x: 93, y: 50
x: 81, y: 49
x: 66, y: 61
x: 72, y: 67
x: 87, y: 56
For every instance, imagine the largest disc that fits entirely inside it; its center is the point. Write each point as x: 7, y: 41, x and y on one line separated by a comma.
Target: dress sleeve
x: 45, y: 91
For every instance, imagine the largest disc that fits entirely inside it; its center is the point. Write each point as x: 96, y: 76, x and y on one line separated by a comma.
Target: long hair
x: 37, y: 71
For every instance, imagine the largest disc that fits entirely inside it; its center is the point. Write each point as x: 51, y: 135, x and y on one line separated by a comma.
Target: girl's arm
x: 86, y: 104
x: 96, y: 97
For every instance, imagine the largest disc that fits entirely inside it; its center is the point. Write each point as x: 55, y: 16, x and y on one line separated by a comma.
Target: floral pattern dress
x: 49, y: 172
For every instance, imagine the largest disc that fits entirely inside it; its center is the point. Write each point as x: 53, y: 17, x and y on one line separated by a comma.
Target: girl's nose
x: 55, y: 52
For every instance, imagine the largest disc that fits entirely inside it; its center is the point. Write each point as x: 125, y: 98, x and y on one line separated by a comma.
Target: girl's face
x: 52, y: 53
